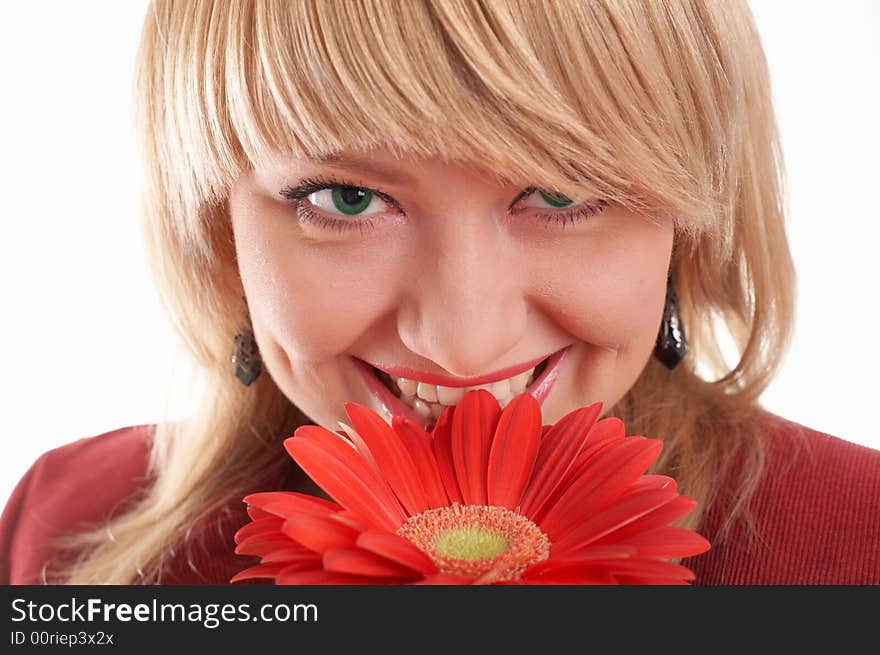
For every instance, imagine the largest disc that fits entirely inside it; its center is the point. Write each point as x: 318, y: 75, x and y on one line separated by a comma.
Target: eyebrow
x: 360, y: 164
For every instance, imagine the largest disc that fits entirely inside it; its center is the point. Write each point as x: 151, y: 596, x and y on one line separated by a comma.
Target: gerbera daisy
x: 489, y: 496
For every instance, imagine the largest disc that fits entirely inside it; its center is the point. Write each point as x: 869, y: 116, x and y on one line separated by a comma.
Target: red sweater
x: 817, y: 511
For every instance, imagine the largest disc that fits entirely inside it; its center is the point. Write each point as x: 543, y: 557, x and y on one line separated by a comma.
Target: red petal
x: 395, y: 548
x: 271, y: 524
x: 319, y: 534
x: 612, y: 518
x: 605, y: 552
x: 593, y: 447
x: 671, y: 511
x: 596, y: 445
x: 653, y: 481
x: 393, y: 460
x: 513, y: 452
x: 349, y: 518
x: 613, y: 571
x: 279, y: 503
x: 473, y: 426
x: 258, y: 571
x: 261, y: 545
x: 350, y: 435
x: 608, y: 428
x: 572, y: 478
x: 605, y: 478
x: 419, y: 443
x: 656, y: 571
x: 603, y: 434
x: 569, y: 573
x: 442, y: 440
x: 559, y: 448
x: 362, y: 562
x: 648, y: 580
x: 256, y: 514
x: 296, y: 553
x: 668, y: 542
x: 320, y: 577
x: 337, y: 468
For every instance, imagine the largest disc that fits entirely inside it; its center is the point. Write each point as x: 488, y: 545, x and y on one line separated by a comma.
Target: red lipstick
x: 446, y: 381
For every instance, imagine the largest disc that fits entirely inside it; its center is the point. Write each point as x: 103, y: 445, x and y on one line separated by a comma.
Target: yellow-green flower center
x: 470, y: 543
x: 489, y: 544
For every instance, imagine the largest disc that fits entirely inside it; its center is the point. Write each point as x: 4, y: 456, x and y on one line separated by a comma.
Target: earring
x: 246, y: 360
x: 671, y: 344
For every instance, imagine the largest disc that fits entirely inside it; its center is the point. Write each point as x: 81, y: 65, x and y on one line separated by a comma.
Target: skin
x: 453, y: 282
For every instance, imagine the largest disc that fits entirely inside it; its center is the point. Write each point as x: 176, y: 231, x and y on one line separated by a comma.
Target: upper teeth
x: 429, y: 398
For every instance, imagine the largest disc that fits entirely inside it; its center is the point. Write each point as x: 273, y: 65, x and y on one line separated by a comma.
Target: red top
x: 818, y: 513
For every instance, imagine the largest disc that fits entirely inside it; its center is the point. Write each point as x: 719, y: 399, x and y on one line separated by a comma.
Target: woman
x: 388, y: 203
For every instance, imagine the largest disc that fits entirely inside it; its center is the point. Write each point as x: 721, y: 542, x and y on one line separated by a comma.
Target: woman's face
x: 439, y: 274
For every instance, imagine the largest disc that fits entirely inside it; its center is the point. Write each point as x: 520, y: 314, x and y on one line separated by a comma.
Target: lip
x: 392, y: 405
x: 446, y: 381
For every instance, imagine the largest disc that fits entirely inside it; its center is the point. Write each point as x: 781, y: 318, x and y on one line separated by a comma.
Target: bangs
x: 631, y: 103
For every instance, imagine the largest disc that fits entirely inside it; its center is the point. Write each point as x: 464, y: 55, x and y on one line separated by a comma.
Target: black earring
x: 671, y: 344
x: 246, y: 360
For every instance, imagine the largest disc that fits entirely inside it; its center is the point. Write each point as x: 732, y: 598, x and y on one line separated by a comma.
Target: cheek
x: 609, y: 290
x: 315, y: 300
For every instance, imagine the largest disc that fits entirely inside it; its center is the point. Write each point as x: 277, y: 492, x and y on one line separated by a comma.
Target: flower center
x: 494, y: 544
x: 470, y: 543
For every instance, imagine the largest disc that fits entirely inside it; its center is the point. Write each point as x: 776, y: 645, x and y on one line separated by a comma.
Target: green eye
x: 555, y: 200
x: 351, y: 200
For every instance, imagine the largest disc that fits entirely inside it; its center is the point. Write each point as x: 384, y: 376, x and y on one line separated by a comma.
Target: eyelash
x: 311, y: 185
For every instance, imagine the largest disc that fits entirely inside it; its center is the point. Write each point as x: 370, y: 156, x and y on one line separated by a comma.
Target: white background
x: 86, y: 349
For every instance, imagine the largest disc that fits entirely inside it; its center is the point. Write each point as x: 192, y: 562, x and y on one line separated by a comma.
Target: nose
x: 466, y: 305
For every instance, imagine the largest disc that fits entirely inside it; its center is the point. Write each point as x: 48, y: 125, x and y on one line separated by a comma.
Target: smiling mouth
x: 429, y: 400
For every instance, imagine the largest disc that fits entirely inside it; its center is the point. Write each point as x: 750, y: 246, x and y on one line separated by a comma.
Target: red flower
x: 488, y: 497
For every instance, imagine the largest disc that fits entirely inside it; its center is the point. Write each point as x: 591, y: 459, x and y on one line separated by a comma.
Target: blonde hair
x: 661, y: 106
